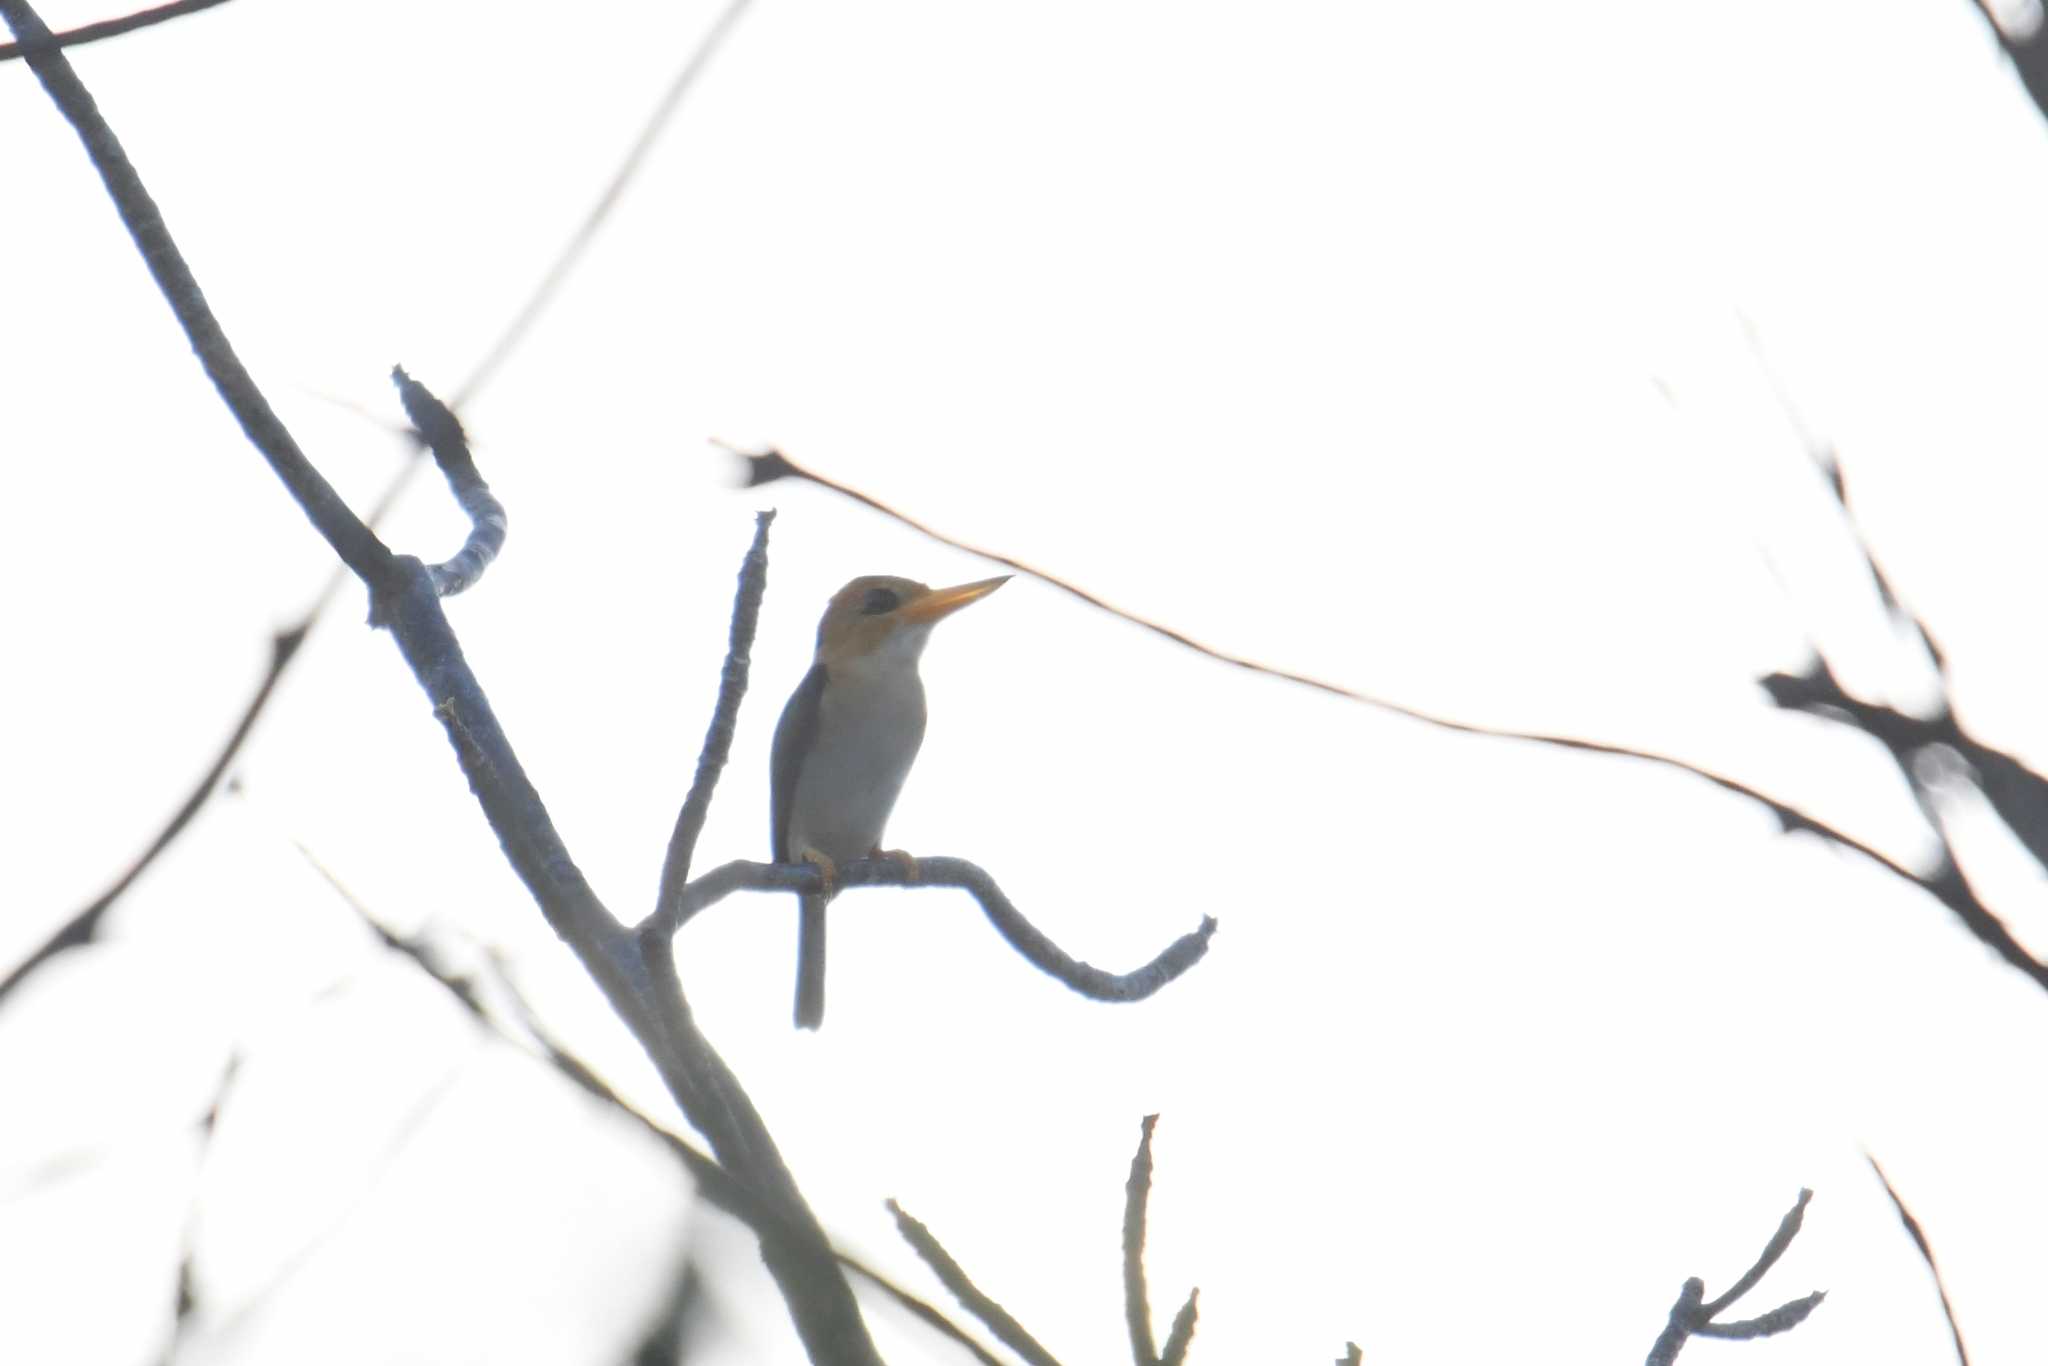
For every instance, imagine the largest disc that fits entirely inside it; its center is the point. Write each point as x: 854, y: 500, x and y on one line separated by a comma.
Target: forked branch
x: 1694, y: 1316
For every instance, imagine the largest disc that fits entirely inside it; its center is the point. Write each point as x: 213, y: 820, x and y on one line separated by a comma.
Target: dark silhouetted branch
x: 1692, y: 1316
x: 1919, y: 1238
x: 1137, y: 1300
x: 185, y: 1295
x: 673, y: 1329
x: 2014, y: 791
x: 1816, y: 693
x: 2028, y: 55
x: 83, y: 927
x: 1093, y: 982
x: 515, y: 331
x: 358, y: 548
x: 1787, y: 1315
x: 645, y: 995
x: 1788, y: 1229
x: 732, y: 687
x: 105, y: 28
x: 1678, y: 1326
x: 766, y: 467
x: 442, y: 432
x: 716, y: 1185
x: 1007, y: 1330
x: 1182, y: 1335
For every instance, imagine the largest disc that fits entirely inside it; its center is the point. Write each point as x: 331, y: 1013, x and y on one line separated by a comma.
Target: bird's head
x: 878, y: 615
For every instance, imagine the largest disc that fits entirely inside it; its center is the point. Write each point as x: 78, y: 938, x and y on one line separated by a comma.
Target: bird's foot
x: 828, y: 873
x: 901, y: 858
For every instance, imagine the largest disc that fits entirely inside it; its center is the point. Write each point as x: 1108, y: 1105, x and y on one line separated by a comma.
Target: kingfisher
x: 846, y: 740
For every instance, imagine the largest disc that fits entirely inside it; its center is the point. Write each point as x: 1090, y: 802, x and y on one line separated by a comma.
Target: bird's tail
x: 810, y: 964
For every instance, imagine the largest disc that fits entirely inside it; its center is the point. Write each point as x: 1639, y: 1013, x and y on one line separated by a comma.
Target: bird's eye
x: 878, y: 601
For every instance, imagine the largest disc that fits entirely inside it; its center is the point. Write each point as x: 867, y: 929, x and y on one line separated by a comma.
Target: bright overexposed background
x: 1434, y: 350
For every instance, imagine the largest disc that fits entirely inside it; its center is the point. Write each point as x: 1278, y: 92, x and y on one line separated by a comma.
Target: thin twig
x: 1788, y: 1315
x: 84, y: 925
x: 732, y: 687
x: 1919, y: 1238
x: 1137, y: 1302
x: 1182, y: 1335
x: 572, y: 251
x: 2015, y: 792
x: 105, y: 28
x: 442, y: 432
x: 768, y: 466
x: 185, y: 1304
x: 972, y: 1298
x: 1093, y: 982
x: 1788, y: 1229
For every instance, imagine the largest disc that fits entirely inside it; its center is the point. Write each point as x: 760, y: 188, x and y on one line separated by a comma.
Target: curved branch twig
x: 741, y: 875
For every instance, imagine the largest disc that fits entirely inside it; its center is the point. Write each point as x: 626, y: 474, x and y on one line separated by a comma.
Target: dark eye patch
x: 878, y: 601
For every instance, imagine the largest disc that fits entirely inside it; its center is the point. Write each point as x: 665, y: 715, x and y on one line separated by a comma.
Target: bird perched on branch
x: 846, y: 741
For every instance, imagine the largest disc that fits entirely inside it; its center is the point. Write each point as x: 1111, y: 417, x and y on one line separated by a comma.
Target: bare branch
x: 2017, y: 793
x: 1692, y: 1316
x: 2028, y: 55
x: 1678, y: 1326
x: 105, y: 28
x: 185, y: 1300
x: 644, y: 993
x: 1788, y: 1229
x: 442, y: 432
x: 1093, y: 982
x: 672, y: 1332
x: 2020, y: 795
x: 1788, y: 1315
x: 1137, y: 1302
x: 714, y: 1184
x: 732, y: 687
x: 1182, y: 1335
x: 1919, y: 1238
x: 515, y: 331
x: 83, y: 927
x: 358, y: 547
x: 1008, y: 1331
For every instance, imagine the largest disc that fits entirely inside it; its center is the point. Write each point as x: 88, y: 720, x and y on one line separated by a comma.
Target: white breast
x: 870, y: 725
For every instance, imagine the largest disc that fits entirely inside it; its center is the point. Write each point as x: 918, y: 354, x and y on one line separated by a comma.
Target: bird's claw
x: 902, y: 859
x: 828, y: 873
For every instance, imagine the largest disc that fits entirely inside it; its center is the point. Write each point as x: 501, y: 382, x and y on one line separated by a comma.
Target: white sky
x: 1339, y: 335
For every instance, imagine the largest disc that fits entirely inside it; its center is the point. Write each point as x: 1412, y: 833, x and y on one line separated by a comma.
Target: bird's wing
x: 795, y: 733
